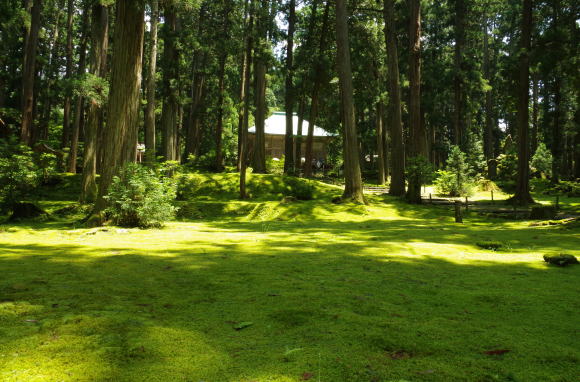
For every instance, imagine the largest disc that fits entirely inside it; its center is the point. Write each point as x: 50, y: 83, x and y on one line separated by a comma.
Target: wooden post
x: 458, y: 217
x: 466, y: 204
x: 492, y: 196
x: 430, y: 199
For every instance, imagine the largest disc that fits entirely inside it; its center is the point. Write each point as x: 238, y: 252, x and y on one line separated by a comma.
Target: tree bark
x: 289, y: 102
x: 488, y: 141
x: 353, y: 189
x: 79, y: 101
x: 219, y: 156
x: 458, y: 85
x: 66, y: 124
x: 557, y: 144
x: 522, y: 195
x: 120, y: 132
x: 51, y: 76
x: 417, y: 138
x: 169, y: 114
x: 149, y: 123
x: 29, y: 74
x: 380, y: 144
x: 397, y: 186
x: 318, y: 74
x: 246, y: 101
x: 535, y: 112
x: 259, y: 154
x: 99, y: 46
x: 299, y: 134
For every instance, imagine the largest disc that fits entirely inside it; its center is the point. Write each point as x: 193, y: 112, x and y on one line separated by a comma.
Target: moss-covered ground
x: 261, y: 290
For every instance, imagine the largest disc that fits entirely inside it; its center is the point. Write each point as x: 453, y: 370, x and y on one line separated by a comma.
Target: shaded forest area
x: 86, y: 83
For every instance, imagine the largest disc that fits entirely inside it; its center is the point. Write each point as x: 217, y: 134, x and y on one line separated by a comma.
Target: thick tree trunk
x: 169, y: 115
x: 29, y: 74
x: 417, y: 138
x: 397, y: 186
x: 149, y: 123
x: 259, y: 152
x: 120, y: 132
x: 353, y: 189
x: 458, y: 91
x: 315, y: 92
x: 522, y: 195
x: 289, y: 102
x: 99, y: 46
x: 246, y: 100
x: 577, y: 156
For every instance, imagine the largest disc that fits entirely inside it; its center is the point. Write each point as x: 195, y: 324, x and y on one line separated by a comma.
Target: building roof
x: 276, y: 125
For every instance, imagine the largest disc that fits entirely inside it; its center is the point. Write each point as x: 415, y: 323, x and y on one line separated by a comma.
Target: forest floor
x: 262, y: 290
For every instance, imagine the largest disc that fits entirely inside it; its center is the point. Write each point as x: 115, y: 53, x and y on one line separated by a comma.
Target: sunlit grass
x: 383, y: 292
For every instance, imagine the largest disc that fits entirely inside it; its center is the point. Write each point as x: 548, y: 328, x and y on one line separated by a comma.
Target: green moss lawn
x: 267, y: 291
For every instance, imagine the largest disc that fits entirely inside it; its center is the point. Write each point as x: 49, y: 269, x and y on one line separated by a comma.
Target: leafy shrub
x: 542, y: 160
x: 19, y: 174
x: 487, y: 185
x: 139, y: 198
x: 455, y: 179
x: 571, y: 189
x: 491, y: 245
x: 507, y: 166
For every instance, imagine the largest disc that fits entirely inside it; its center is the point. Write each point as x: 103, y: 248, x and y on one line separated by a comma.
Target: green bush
x: 455, y: 179
x: 542, y: 161
x: 139, y: 198
x: 19, y: 174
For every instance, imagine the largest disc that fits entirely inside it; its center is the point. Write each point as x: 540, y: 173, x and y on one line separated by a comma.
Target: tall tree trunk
x: 353, y: 189
x: 99, y: 46
x: 79, y: 101
x: 149, y: 123
x: 458, y: 96
x: 299, y: 134
x: 120, y: 132
x: 193, y: 130
x: 52, y: 72
x: 259, y: 154
x: 246, y: 100
x: 29, y: 74
x: 219, y: 156
x: 380, y: 144
x: 576, y: 153
x: 243, y: 69
x: 289, y: 102
x: 535, y: 112
x: 488, y: 142
x: 522, y: 195
x: 557, y: 144
x: 66, y: 123
x: 170, y: 110
x: 417, y: 138
x: 318, y: 74
x: 397, y: 186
